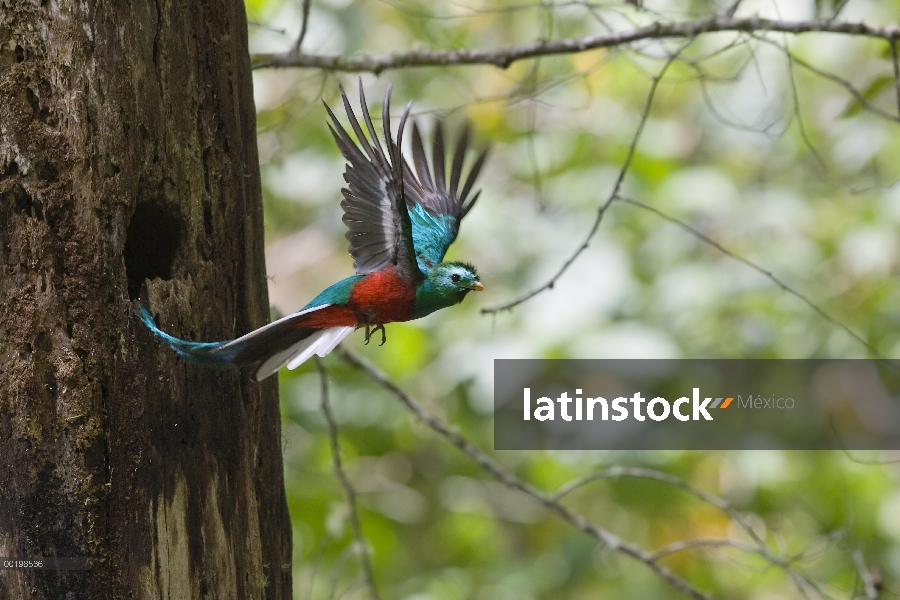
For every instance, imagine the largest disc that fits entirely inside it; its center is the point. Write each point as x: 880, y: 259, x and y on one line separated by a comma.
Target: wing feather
x: 470, y: 180
x: 375, y: 209
x: 437, y: 157
x: 458, y: 157
x: 436, y: 206
x: 420, y: 160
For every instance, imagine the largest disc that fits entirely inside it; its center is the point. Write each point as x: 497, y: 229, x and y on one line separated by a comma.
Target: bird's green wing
x: 435, y: 205
x: 375, y: 210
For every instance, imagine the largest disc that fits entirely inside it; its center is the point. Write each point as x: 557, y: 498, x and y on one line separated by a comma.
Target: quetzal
x: 400, y: 223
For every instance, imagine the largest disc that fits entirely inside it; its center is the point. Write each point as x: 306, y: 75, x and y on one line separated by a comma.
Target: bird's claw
x: 370, y: 330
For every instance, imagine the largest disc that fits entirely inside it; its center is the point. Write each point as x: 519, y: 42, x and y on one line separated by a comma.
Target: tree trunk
x: 128, y: 167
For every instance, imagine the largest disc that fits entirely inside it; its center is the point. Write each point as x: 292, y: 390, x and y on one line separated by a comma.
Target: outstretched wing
x: 435, y: 205
x: 379, y: 228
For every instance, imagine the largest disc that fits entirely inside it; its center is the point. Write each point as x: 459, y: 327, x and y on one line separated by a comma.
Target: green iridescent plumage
x: 445, y: 284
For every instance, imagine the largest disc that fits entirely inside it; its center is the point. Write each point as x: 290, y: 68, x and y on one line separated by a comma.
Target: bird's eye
x: 454, y: 278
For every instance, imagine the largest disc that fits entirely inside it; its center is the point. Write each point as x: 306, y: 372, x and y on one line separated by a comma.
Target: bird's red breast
x: 383, y: 297
x: 380, y: 297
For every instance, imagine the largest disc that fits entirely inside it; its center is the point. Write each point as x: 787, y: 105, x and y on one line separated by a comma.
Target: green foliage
x: 779, y: 165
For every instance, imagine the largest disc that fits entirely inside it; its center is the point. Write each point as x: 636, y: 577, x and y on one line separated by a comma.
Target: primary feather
x: 437, y: 207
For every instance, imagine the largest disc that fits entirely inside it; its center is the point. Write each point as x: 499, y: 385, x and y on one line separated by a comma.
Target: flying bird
x: 400, y: 221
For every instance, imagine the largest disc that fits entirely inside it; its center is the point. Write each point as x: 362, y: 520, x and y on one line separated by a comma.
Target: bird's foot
x: 370, y: 330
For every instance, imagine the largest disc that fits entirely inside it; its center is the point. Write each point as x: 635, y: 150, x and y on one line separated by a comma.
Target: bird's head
x: 453, y: 280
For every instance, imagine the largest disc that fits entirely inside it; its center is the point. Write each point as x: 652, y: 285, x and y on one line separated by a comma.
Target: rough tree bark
x: 128, y: 166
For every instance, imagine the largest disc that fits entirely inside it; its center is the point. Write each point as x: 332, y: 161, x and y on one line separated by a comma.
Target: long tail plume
x: 209, y: 353
x: 287, y: 341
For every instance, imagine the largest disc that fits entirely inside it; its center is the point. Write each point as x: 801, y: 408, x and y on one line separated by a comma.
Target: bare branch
x: 602, y: 210
x: 768, y: 274
x: 503, y: 57
x: 500, y: 473
x: 362, y: 548
x: 303, y: 27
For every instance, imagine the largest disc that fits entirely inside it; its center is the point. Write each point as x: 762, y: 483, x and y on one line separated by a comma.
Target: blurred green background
x: 780, y: 165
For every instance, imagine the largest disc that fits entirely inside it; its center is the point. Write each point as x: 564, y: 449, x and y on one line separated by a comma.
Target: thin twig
x: 838, y: 9
x: 729, y: 12
x: 500, y: 473
x: 662, y: 477
x: 313, y: 566
x: 504, y: 57
x: 825, y: 171
x: 865, y: 574
x: 732, y: 120
x: 682, y: 545
x: 645, y: 114
x: 857, y: 95
x: 362, y: 548
x: 801, y: 126
x: 470, y: 12
x: 761, y: 548
x: 768, y: 274
x: 303, y: 27
x: 896, y: 62
x: 340, y: 563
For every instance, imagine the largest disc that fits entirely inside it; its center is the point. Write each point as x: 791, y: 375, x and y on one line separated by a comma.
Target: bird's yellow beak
x: 477, y: 286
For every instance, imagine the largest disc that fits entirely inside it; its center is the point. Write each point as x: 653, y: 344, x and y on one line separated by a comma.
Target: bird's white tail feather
x: 326, y: 343
x: 336, y: 335
x: 320, y: 343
